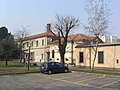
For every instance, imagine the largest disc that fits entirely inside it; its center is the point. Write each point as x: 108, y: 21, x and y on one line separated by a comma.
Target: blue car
x: 53, y: 67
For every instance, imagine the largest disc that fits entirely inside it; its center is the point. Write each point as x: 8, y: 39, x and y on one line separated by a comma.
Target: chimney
x: 48, y: 27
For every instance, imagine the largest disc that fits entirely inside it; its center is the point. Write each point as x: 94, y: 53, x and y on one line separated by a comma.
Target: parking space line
x: 87, y: 85
x: 81, y: 84
x: 111, y: 83
x: 89, y: 79
x: 67, y: 81
x: 74, y: 76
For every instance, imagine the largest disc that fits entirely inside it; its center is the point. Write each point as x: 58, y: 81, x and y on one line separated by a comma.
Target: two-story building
x: 39, y: 45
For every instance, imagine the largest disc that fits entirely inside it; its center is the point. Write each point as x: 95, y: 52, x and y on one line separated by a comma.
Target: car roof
x: 51, y: 62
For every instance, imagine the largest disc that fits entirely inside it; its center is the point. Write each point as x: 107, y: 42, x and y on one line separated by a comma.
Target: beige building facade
x: 44, y: 47
x: 108, y: 55
x: 39, y: 46
x: 73, y: 40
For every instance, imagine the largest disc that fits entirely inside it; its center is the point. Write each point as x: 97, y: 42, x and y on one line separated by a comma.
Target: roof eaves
x: 101, y: 44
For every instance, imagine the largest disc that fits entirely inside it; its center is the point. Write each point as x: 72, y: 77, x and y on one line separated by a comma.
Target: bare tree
x: 98, y: 20
x: 20, y: 35
x: 63, y: 26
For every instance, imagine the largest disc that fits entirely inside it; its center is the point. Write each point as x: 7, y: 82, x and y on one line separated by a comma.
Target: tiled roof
x: 40, y: 35
x: 75, y: 37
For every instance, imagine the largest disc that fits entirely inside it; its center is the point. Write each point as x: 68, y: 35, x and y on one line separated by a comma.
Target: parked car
x: 53, y: 67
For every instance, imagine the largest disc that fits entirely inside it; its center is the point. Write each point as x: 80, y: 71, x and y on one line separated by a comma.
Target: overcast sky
x: 35, y: 14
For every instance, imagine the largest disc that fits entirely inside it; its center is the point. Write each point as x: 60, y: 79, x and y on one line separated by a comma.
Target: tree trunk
x: 6, y: 62
x: 62, y: 58
x: 90, y: 57
x: 20, y: 57
x: 94, y: 57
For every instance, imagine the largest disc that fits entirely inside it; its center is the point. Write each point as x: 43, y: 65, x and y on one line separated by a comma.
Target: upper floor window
x: 32, y: 44
x: 101, y: 57
x: 37, y: 43
x: 48, y: 41
x: 27, y: 44
x: 42, y: 42
x: 23, y: 45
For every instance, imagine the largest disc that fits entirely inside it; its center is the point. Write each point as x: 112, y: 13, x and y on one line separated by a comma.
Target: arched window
x: 53, y: 53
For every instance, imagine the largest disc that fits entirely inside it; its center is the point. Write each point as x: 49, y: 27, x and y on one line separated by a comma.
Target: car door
x: 59, y: 67
x: 54, y: 67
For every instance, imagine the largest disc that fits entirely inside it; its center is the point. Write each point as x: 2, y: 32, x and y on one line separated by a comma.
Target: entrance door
x: 48, y: 56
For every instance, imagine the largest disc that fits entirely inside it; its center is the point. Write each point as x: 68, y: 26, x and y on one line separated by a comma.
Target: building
x: 39, y: 45
x: 109, y: 39
x: 73, y: 41
x: 108, y: 55
x: 79, y: 51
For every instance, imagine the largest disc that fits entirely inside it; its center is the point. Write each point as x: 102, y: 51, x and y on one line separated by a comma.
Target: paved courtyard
x: 63, y: 81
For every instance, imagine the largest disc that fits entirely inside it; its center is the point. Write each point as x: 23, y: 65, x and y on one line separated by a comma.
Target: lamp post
x: 29, y: 57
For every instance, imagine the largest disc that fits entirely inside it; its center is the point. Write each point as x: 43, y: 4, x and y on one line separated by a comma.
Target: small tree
x: 20, y: 35
x: 98, y: 20
x: 63, y: 26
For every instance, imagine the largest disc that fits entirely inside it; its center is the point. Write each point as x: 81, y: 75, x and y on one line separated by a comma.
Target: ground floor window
x: 101, y: 57
x: 81, y: 57
x: 42, y: 56
x: 53, y: 53
x: 32, y: 56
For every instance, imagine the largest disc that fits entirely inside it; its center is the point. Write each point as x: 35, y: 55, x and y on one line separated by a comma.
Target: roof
x: 100, y: 45
x: 77, y: 37
x: 74, y: 37
x: 41, y: 35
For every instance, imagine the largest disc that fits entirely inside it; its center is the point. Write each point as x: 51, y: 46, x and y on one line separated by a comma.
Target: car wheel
x: 49, y: 72
x: 66, y: 70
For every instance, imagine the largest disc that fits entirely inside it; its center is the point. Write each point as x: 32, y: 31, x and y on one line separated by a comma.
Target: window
x: 57, y: 58
x: 81, y: 57
x: 48, y: 41
x: 42, y: 56
x: 53, y: 54
x: 58, y: 64
x: 117, y: 61
x: 32, y: 44
x: 67, y: 59
x: 23, y: 45
x: 36, y: 43
x: 27, y: 44
x: 100, y: 57
x: 42, y: 42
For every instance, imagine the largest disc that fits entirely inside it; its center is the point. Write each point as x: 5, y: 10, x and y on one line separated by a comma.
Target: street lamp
x: 29, y: 56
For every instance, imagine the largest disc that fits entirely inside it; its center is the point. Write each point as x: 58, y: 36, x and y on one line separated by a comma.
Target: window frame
x: 42, y: 42
x: 100, y: 57
x: 53, y: 54
x: 37, y: 43
x: 81, y: 57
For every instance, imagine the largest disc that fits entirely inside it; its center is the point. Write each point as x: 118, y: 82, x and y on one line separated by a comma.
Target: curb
x: 18, y: 73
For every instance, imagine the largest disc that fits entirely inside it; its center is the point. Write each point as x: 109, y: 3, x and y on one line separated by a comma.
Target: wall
x: 38, y: 50
x: 68, y: 53
x: 111, y: 55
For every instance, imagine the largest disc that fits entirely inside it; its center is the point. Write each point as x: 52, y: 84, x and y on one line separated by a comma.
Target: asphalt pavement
x: 61, y: 81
